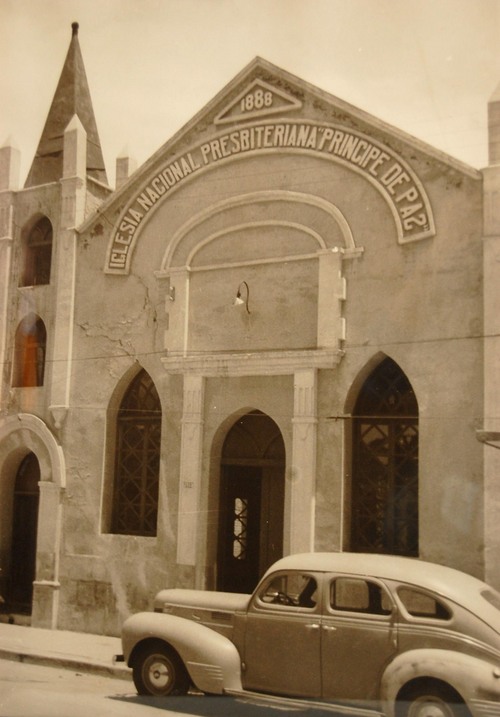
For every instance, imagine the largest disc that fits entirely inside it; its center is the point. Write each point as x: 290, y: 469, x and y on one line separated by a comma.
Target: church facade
x: 279, y: 334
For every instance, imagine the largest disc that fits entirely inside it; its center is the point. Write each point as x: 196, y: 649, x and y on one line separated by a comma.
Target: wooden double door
x: 251, y: 503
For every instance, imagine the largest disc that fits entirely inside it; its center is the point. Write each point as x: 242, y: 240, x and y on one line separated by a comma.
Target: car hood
x: 175, y: 598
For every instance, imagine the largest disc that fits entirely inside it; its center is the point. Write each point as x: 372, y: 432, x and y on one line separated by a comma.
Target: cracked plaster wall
x: 401, y: 300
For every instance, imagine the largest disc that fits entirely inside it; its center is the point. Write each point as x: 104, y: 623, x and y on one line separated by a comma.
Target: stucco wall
x: 418, y: 302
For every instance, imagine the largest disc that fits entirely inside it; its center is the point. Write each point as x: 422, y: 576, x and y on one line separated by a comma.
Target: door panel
x: 358, y: 638
x: 240, y: 529
x: 24, y: 535
x: 250, y: 532
x: 272, y: 501
x: 23, y: 552
x: 282, y: 638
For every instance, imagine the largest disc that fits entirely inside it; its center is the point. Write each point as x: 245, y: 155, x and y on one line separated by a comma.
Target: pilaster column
x: 190, y: 469
x: 10, y: 161
x: 177, y: 310
x: 46, y: 585
x: 6, y: 214
x: 73, y: 192
x: 491, y: 302
x: 303, y: 476
x: 125, y: 166
x: 10, y: 168
x: 331, y: 295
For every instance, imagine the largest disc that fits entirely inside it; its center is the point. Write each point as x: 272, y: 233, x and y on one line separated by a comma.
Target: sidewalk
x: 77, y: 651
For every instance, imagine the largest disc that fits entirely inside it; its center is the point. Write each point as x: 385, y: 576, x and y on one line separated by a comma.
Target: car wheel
x: 158, y: 670
x: 434, y: 700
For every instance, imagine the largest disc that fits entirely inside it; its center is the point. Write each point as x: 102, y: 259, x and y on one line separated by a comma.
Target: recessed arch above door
x: 326, y: 225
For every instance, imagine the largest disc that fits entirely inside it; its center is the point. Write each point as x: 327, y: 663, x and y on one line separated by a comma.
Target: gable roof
x: 216, y: 116
x: 72, y: 96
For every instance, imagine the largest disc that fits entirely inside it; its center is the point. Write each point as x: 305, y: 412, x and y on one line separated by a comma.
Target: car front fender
x: 212, y: 661
x: 476, y: 680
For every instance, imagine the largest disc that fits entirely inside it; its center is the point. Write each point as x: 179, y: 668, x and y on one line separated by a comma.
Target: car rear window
x: 420, y: 604
x: 359, y: 595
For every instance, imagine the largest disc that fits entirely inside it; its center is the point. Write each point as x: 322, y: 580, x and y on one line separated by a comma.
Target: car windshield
x: 492, y: 597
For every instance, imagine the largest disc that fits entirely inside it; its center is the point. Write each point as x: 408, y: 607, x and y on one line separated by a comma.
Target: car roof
x: 454, y: 584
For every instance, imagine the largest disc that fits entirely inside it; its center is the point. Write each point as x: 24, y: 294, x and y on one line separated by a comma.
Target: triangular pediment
x: 266, y: 110
x: 258, y: 99
x: 291, y: 97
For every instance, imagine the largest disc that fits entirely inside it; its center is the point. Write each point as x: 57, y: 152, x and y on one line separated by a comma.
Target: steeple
x: 71, y: 97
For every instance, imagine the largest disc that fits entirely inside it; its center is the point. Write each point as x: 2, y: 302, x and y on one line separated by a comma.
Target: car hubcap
x: 158, y: 674
x: 429, y: 707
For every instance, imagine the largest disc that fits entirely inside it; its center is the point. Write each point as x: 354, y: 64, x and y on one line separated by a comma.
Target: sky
x: 428, y: 67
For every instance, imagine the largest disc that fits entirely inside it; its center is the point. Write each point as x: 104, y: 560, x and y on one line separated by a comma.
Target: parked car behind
x: 396, y: 635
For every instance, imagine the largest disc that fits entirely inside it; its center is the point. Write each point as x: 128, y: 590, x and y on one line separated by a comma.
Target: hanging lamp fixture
x: 239, y: 300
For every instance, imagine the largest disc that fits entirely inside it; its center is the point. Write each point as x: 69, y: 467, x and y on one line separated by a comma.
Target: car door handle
x: 329, y: 628
x: 314, y: 626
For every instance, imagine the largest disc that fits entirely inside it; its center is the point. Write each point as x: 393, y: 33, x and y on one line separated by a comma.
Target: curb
x: 68, y: 663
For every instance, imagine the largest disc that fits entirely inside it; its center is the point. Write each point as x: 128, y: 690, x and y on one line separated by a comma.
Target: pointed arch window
x: 384, y: 515
x: 137, y: 459
x: 37, y: 257
x: 29, y: 352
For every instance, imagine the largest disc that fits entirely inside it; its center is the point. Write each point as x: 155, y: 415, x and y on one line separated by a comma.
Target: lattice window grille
x: 138, y: 460
x: 385, y: 489
x: 240, y: 529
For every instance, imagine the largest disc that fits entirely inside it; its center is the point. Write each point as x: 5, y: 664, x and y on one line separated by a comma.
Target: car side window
x: 290, y: 589
x: 359, y: 595
x: 420, y: 604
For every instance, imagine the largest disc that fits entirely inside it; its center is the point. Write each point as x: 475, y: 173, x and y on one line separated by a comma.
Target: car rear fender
x: 471, y: 677
x: 212, y: 661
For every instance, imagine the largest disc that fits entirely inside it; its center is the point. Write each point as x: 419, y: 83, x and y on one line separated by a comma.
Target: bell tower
x: 38, y: 241
x: 38, y: 250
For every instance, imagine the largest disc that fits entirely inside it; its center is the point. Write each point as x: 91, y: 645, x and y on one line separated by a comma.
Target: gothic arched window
x: 385, y: 465
x: 29, y: 352
x: 137, y: 459
x: 37, y: 257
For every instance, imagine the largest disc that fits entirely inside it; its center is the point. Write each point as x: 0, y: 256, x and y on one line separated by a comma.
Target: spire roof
x: 72, y: 96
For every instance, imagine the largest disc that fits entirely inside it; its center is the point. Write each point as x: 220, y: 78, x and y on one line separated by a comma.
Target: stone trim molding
x: 26, y: 422
x: 263, y: 363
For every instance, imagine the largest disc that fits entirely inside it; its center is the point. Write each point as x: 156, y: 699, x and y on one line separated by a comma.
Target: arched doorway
x: 24, y: 533
x: 384, y: 516
x: 251, y: 502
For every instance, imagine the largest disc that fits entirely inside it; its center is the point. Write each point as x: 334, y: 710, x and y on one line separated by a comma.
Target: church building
x: 279, y: 334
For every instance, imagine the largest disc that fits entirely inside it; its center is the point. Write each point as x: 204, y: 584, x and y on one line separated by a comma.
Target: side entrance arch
x: 251, y: 502
x: 32, y: 484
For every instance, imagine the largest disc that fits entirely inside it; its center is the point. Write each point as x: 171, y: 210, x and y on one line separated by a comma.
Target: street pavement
x: 74, y: 650
x: 93, y: 654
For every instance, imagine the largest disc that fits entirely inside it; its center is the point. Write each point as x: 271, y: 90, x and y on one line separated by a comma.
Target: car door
x: 282, y: 637
x: 358, y: 637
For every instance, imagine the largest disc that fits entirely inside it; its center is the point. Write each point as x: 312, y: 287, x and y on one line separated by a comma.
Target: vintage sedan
x: 398, y: 636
